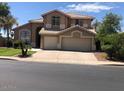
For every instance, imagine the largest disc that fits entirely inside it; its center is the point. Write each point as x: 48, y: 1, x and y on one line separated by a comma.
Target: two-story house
x: 59, y: 30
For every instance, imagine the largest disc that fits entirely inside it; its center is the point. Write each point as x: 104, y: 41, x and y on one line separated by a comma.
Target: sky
x: 25, y: 11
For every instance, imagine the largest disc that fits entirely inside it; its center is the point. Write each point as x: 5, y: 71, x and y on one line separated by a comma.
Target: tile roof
x: 73, y: 16
x: 49, y: 32
x: 36, y: 20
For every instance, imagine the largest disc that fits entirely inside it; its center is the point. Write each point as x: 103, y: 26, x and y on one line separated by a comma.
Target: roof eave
x: 19, y: 26
x: 55, y: 11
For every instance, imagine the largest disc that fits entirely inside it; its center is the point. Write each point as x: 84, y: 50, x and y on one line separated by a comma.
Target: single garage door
x: 78, y: 44
x: 50, y: 42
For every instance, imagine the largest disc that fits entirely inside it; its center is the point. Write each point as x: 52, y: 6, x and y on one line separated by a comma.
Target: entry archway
x: 37, y: 37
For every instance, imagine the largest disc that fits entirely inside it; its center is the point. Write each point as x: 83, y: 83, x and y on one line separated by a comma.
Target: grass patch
x: 12, y: 52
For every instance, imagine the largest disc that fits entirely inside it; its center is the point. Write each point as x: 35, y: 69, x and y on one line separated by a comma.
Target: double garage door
x: 77, y: 44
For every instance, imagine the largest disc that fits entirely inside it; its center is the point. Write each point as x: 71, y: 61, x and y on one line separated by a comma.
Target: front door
x: 37, y: 40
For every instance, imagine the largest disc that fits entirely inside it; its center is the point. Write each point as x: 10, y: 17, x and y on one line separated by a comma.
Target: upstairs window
x: 55, y: 21
x: 77, y: 22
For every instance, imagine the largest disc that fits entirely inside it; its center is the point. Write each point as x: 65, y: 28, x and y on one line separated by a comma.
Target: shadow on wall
x: 38, y: 37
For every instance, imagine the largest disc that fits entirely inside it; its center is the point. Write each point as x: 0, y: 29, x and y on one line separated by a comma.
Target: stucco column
x: 93, y: 45
x: 59, y: 43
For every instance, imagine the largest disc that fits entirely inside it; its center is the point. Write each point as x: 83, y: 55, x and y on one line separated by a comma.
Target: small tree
x: 24, y: 48
x: 110, y: 24
x: 114, y: 46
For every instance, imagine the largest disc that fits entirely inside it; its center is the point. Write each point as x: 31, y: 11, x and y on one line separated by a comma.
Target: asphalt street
x: 33, y: 76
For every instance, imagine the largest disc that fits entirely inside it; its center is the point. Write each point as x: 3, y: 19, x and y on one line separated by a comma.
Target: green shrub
x: 113, y: 45
x: 16, y: 44
x: 109, y: 50
x: 121, y: 53
x: 24, y: 48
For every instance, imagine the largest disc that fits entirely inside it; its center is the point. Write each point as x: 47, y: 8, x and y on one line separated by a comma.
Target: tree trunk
x: 7, y: 37
x: 24, y: 51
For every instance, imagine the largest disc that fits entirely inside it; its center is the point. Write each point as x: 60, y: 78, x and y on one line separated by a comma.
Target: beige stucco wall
x: 88, y: 22
x: 47, y: 20
x: 65, y: 21
x: 93, y: 44
x: 84, y: 21
x: 85, y: 33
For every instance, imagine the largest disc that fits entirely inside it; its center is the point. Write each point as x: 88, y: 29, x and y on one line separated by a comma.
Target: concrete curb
x: 100, y: 63
x: 8, y: 58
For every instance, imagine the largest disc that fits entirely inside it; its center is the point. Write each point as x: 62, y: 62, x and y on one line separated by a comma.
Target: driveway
x: 64, y: 56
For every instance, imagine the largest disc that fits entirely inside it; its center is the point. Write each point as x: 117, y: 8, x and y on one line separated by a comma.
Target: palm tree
x: 8, y: 22
x: 4, y: 9
x: 1, y: 23
x: 6, y: 19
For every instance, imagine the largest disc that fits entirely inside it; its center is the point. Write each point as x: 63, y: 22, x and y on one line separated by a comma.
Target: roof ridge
x: 69, y: 14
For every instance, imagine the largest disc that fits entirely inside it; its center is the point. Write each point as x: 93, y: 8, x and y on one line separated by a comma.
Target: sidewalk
x: 30, y: 59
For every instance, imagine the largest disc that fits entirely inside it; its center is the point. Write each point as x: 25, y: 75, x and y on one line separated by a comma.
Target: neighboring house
x: 59, y: 30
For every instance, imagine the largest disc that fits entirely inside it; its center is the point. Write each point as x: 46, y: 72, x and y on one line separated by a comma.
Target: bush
x: 109, y: 50
x: 113, y: 45
x: 16, y: 44
x: 121, y: 53
x: 24, y: 48
x: 98, y: 45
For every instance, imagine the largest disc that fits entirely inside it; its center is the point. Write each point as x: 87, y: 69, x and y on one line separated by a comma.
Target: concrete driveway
x: 64, y: 56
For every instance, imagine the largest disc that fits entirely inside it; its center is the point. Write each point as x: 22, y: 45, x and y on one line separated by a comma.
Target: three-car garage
x: 74, y: 39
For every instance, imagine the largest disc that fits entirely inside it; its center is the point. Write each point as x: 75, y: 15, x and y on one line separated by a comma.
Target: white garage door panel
x: 50, y: 42
x: 79, y: 44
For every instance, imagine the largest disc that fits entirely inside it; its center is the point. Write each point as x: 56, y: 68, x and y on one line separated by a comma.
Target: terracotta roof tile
x: 47, y: 32
x: 36, y: 20
x: 74, y: 16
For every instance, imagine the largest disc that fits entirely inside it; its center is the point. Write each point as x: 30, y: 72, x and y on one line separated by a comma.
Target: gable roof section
x: 72, y: 16
x: 77, y: 16
x: 49, y: 32
x: 55, y: 11
x: 77, y: 27
x: 36, y: 21
x: 14, y: 29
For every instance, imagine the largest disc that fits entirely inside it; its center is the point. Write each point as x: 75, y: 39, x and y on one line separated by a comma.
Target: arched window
x: 25, y: 35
